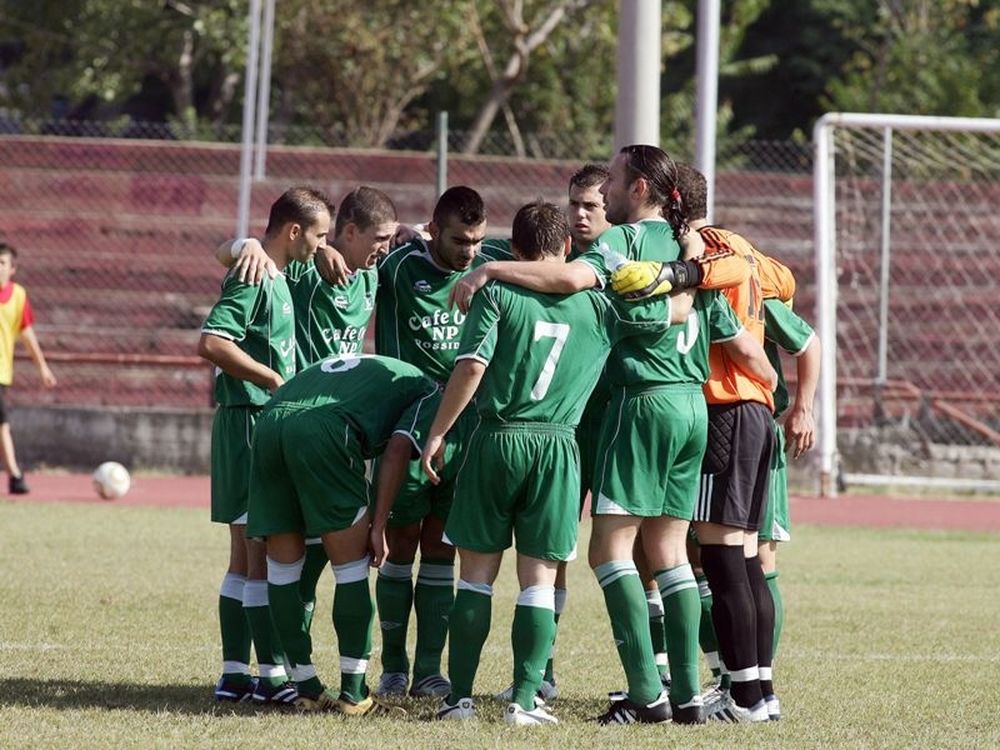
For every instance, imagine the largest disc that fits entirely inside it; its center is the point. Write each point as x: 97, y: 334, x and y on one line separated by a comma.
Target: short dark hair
x: 660, y: 172
x: 10, y: 250
x: 298, y: 205
x: 364, y: 207
x: 693, y: 188
x: 460, y: 202
x: 588, y: 176
x: 539, y: 229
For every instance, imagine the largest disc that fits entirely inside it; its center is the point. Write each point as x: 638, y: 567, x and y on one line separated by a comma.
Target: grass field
x: 108, y: 638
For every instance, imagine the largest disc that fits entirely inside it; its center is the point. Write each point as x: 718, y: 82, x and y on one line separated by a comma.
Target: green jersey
x: 545, y: 352
x: 259, y: 319
x: 329, y: 320
x: 414, y: 322
x: 785, y: 330
x: 379, y: 395
x: 680, y: 354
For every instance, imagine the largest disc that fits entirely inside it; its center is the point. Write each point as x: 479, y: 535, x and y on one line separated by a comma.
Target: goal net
x: 908, y: 300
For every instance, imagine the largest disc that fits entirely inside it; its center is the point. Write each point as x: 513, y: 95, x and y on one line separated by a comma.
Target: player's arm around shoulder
x: 247, y: 258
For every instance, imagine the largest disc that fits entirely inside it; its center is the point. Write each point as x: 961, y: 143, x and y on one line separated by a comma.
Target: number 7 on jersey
x: 559, y: 332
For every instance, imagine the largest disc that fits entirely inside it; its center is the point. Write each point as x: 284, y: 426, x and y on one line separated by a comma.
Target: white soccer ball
x: 111, y: 480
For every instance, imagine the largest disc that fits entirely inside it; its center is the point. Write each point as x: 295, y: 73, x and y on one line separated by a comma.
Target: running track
x: 849, y: 510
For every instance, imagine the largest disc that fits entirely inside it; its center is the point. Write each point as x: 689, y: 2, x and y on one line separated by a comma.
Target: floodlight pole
x: 264, y: 94
x: 249, y: 100
x: 707, y: 77
x: 637, y: 109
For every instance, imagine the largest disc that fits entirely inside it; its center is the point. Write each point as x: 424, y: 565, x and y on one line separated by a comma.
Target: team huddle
x: 619, y: 348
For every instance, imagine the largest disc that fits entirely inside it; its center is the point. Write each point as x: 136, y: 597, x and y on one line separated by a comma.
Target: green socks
x: 267, y: 644
x: 625, y: 599
x: 315, y: 563
x: 284, y: 592
x: 779, y: 607
x: 560, y: 605
x: 467, y: 630
x: 394, y: 597
x: 433, y: 597
x: 235, y: 630
x: 353, y: 616
x: 531, y: 636
x: 681, y: 617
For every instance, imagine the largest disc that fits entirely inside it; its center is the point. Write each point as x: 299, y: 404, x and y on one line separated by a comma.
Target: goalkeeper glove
x: 639, y: 280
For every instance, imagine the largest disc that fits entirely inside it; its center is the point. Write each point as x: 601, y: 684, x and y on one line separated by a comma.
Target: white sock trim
x: 272, y: 670
x: 235, y: 667
x: 282, y: 574
x: 303, y: 672
x: 433, y: 574
x: 480, y: 588
x: 561, y: 595
x: 765, y: 673
x: 745, y: 675
x: 541, y: 597
x: 655, y: 603
x: 314, y: 540
x: 661, y: 660
x: 232, y: 586
x: 396, y: 570
x: 712, y: 658
x: 350, y: 665
x: 352, y: 572
x: 255, y: 594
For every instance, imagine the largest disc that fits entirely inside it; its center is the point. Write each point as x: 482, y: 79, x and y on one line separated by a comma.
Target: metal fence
x: 913, y: 268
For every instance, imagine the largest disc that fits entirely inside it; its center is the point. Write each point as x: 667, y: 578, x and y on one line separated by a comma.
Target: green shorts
x: 521, y: 479
x: 417, y: 497
x: 776, y: 526
x: 308, y: 473
x: 232, y: 431
x: 588, y: 436
x: 652, y: 445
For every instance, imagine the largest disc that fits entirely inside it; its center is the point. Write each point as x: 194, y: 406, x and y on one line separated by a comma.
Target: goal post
x: 907, y: 243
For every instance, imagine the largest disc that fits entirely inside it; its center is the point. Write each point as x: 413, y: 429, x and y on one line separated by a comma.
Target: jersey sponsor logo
x: 422, y: 286
x: 347, y: 341
x: 444, y: 327
x: 286, y: 347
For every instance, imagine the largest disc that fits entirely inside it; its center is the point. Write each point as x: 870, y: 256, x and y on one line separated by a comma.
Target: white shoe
x: 392, y: 684
x: 773, y: 707
x: 732, y: 713
x: 548, y: 691
x: 461, y: 711
x: 536, y: 717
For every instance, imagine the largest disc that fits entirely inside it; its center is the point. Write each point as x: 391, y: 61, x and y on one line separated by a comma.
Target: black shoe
x: 17, y: 486
x: 689, y: 713
x: 623, y: 711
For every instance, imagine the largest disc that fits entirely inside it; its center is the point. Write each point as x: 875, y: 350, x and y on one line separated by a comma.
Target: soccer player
x: 16, y: 320
x: 329, y: 319
x: 249, y: 336
x: 530, y: 360
x: 415, y: 324
x: 785, y: 330
x: 309, y: 453
x: 653, y: 436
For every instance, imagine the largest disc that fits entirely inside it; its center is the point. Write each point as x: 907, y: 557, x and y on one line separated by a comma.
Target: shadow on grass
x: 79, y: 694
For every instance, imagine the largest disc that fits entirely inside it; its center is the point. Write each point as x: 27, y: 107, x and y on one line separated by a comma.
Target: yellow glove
x: 637, y: 280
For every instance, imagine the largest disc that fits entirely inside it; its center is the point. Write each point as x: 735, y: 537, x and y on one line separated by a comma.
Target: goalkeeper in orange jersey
x: 734, y: 486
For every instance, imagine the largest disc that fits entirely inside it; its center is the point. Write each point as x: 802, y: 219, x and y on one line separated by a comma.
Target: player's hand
x: 406, y: 233
x: 252, y: 263
x: 48, y: 379
x: 378, y: 545
x: 432, y: 459
x: 637, y: 280
x: 331, y: 265
x: 692, y: 244
x: 466, y: 287
x: 800, y: 430
x: 274, y: 382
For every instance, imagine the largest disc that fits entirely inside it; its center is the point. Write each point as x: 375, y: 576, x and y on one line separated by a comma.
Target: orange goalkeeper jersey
x: 727, y: 383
